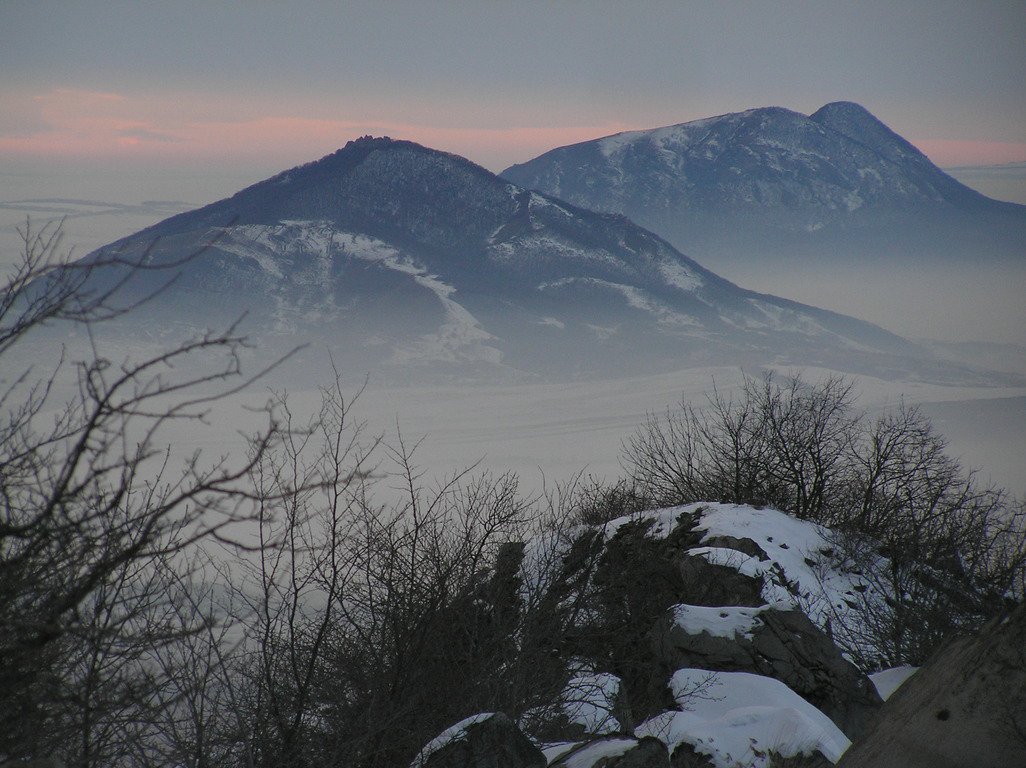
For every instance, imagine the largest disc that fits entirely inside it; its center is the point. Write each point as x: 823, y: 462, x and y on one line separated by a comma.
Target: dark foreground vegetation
x: 313, y: 602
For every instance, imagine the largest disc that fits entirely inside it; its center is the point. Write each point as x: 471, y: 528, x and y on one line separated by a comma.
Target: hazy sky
x: 261, y: 86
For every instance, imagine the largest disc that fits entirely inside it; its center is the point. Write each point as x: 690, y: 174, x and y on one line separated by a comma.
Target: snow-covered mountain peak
x: 770, y: 178
x: 401, y: 254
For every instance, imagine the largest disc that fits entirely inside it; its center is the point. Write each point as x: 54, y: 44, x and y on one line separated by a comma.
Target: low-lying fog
x: 561, y: 429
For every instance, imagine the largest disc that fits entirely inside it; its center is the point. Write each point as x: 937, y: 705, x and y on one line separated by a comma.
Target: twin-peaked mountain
x: 770, y: 181
x: 403, y: 259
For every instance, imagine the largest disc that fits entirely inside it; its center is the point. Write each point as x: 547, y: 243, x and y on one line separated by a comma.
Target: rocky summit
x: 722, y: 636
x: 700, y: 636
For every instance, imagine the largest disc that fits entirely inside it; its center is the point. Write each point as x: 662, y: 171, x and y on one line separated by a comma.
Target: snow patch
x: 723, y: 720
x: 460, y: 336
x: 679, y: 276
x: 452, y: 733
x: 589, y: 700
x: 635, y: 298
x: 537, y: 201
x: 614, y: 145
x: 888, y: 681
x: 853, y: 201
x: 599, y: 750
x: 726, y: 621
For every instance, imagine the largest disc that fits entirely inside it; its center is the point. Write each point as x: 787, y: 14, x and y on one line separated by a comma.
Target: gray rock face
x: 686, y: 756
x: 495, y: 742
x: 966, y: 706
x: 714, y: 585
x: 788, y: 647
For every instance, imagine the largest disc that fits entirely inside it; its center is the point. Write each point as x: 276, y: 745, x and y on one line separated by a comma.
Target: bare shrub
x: 954, y: 548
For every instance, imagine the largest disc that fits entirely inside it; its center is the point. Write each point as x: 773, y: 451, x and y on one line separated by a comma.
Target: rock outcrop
x: 966, y: 706
x: 690, y: 638
x: 784, y: 645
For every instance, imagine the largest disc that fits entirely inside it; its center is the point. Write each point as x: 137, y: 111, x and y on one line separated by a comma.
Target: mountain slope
x: 772, y: 180
x: 400, y: 257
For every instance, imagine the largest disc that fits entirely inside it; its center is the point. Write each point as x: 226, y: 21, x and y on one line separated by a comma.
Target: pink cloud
x: 69, y: 123
x: 189, y: 127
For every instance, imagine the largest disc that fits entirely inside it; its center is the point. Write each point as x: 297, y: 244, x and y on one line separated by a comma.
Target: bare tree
x: 946, y: 550
x: 770, y: 443
x: 90, y: 508
x: 810, y: 430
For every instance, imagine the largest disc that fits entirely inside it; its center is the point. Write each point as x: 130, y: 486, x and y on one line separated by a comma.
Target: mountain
x: 402, y: 259
x: 769, y: 182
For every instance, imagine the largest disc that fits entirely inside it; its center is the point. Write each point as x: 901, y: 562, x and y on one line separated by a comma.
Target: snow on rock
x: 726, y: 621
x: 557, y: 749
x: 662, y: 521
x: 737, y: 718
x: 589, y: 701
x: 802, y: 569
x: 797, y: 562
x: 454, y: 732
x: 588, y: 755
x: 887, y: 681
x: 486, y: 739
x: 591, y: 754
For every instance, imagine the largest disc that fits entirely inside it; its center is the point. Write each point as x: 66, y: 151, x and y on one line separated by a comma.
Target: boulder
x: 706, y: 583
x: 965, y: 706
x: 784, y: 645
x: 481, y: 741
x: 743, y: 544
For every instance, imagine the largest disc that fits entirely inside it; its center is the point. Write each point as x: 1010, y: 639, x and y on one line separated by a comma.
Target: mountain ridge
x: 404, y: 255
x: 772, y: 180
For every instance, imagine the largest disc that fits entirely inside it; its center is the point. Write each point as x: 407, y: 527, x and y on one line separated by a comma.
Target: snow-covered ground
x: 738, y: 718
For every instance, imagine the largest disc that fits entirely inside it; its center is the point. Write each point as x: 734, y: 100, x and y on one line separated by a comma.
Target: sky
x: 254, y: 87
